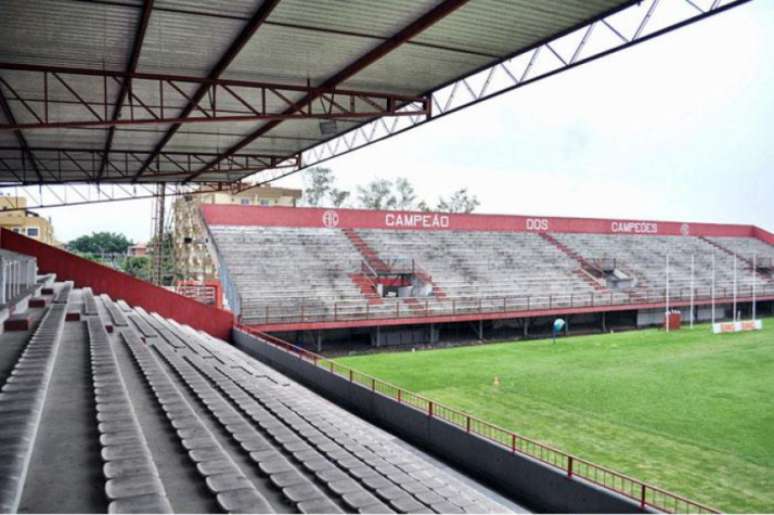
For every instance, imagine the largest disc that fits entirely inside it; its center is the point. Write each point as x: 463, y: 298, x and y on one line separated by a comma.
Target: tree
x: 321, y: 190
x: 377, y: 194
x: 459, y: 202
x: 318, y: 182
x: 99, y: 243
x: 338, y: 197
x: 406, y: 196
x: 385, y: 194
x: 138, y: 266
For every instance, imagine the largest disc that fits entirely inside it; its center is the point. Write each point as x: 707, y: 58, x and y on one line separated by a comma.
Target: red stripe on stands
x: 221, y: 214
x: 102, y: 279
x: 418, y: 318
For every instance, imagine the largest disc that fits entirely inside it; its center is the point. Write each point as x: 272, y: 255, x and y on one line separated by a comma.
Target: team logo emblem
x: 685, y: 230
x: 330, y: 218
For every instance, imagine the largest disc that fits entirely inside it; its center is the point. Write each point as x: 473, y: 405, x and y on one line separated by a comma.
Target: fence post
x: 569, y: 466
x: 513, y: 443
x: 454, y: 306
x: 335, y: 311
x: 350, y: 375
x: 399, y: 392
x: 427, y: 308
x: 302, y: 310
x: 642, y: 496
x: 550, y: 301
x: 373, y: 384
x: 528, y: 299
x: 467, y: 424
x: 332, y: 372
x: 368, y: 310
x: 430, y: 409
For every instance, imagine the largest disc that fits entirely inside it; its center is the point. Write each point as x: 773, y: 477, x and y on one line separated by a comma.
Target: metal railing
x: 425, y: 307
x: 17, y: 274
x: 644, y: 494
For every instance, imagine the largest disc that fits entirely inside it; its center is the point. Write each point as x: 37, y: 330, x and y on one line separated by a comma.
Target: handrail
x: 645, y: 494
x: 368, y: 270
x: 351, y: 310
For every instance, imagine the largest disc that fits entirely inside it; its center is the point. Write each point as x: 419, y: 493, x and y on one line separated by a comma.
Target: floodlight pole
x: 693, y: 264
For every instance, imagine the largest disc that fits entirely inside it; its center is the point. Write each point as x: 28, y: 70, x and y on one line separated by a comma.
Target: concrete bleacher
x: 294, y: 274
x: 645, y: 258
x: 124, y: 411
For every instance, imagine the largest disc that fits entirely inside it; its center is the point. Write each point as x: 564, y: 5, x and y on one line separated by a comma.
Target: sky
x: 677, y: 128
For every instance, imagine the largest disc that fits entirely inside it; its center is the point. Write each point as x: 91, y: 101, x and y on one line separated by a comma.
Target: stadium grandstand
x: 164, y: 418
x: 297, y: 271
x: 120, y: 396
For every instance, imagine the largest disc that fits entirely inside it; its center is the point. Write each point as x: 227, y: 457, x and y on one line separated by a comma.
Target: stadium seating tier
x: 122, y: 411
x: 291, y: 274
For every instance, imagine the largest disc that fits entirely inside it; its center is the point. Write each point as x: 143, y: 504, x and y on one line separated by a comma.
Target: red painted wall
x: 763, y: 235
x: 118, y: 285
x: 215, y: 214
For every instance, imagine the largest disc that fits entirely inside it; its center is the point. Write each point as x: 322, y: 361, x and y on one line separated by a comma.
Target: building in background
x: 138, y: 250
x: 24, y: 221
x: 192, y: 257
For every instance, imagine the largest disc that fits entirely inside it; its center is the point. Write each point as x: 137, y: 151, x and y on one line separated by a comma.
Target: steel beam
x: 131, y: 67
x: 19, y: 136
x: 428, y: 19
x: 41, y: 196
x: 515, y: 72
x: 82, y: 162
x: 246, y: 100
x: 241, y: 40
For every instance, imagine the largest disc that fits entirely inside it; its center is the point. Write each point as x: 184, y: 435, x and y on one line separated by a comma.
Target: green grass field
x: 688, y: 411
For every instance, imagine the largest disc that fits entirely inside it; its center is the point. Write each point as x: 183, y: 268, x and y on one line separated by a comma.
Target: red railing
x: 346, y: 311
x: 646, y: 495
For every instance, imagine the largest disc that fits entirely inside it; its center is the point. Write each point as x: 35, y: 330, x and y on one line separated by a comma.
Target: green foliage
x: 320, y: 189
x: 381, y: 194
x: 377, y: 195
x: 688, y: 411
x: 389, y: 195
x: 138, y: 266
x: 168, y: 269
x: 458, y: 202
x: 100, y: 243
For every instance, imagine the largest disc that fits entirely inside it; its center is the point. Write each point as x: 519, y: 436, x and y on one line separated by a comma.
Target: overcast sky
x: 678, y: 128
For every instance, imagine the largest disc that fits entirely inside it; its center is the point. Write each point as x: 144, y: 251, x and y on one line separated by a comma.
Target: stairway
x: 366, y: 288
x: 584, y: 264
x: 437, y: 290
x: 369, y: 255
x: 375, y: 262
x: 730, y: 252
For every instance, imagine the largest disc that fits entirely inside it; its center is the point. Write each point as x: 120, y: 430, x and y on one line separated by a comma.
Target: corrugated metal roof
x: 300, y: 41
x: 185, y: 44
x: 499, y: 27
x: 66, y: 33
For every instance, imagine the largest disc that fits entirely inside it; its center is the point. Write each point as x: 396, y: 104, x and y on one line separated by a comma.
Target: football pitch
x: 688, y: 411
